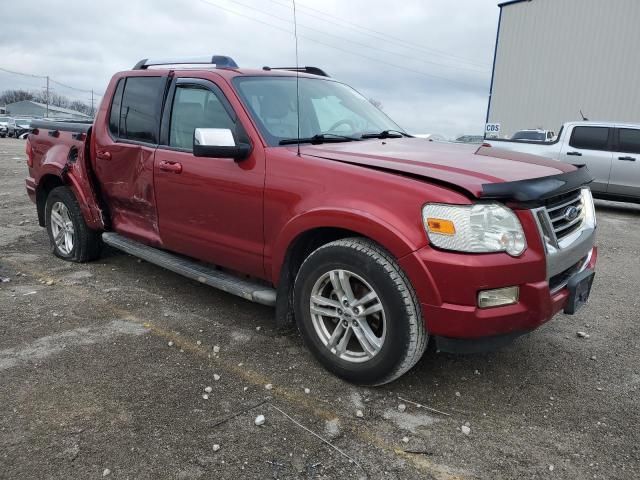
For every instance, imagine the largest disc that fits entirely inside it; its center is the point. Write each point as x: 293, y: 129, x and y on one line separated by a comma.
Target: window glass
x: 139, y: 115
x: 114, y: 115
x: 590, y: 138
x: 528, y: 135
x: 333, y: 116
x: 629, y: 140
x: 326, y: 107
x: 195, y: 107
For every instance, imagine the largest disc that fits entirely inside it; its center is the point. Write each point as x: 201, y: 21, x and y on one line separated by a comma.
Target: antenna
x: 295, y: 34
x: 584, y: 119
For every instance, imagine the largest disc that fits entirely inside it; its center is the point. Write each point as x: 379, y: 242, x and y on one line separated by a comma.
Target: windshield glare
x: 326, y: 107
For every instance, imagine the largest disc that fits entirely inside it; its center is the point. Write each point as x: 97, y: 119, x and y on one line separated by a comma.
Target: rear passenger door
x: 591, y: 146
x: 625, y: 171
x: 124, y: 155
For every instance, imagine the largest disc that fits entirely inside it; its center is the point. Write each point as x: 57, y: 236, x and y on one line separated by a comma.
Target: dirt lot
x: 90, y: 382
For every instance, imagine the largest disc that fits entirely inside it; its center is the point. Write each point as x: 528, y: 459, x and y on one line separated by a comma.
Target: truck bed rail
x: 63, y: 126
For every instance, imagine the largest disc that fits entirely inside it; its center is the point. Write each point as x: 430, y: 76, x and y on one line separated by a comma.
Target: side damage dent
x: 73, y: 172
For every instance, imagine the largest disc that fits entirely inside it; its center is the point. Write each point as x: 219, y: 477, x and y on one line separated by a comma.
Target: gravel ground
x: 103, y: 367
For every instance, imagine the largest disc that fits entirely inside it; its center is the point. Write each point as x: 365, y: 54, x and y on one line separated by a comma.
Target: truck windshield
x: 530, y: 136
x: 327, y: 109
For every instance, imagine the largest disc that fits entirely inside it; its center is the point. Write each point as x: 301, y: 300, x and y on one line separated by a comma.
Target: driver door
x: 210, y: 209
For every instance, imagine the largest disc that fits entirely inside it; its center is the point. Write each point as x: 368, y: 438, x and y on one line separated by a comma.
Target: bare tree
x: 12, y: 96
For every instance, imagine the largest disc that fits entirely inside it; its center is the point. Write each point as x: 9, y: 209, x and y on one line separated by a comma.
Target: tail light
x: 29, y: 151
x: 485, y: 144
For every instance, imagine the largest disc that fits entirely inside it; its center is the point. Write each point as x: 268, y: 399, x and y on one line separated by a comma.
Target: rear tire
x: 71, y: 239
x: 358, y: 313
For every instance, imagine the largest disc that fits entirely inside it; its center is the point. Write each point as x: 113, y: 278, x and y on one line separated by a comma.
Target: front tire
x: 358, y: 313
x: 71, y: 239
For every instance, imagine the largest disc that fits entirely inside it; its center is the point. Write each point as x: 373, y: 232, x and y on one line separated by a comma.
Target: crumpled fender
x: 74, y: 173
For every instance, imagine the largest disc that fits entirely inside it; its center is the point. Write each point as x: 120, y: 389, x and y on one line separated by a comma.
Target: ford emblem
x: 570, y: 213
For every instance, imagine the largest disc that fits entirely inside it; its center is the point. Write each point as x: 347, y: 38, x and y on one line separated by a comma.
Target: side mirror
x: 218, y: 143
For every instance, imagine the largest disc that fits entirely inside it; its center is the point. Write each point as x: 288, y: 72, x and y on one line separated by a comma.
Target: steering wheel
x: 344, y: 121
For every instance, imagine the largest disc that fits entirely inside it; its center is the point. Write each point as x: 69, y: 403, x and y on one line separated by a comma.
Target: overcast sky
x: 427, y: 61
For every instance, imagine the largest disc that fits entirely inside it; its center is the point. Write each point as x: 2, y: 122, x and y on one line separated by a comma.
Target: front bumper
x: 447, y: 285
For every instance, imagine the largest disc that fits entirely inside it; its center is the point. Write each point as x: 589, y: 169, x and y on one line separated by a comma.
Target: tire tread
x: 418, y: 336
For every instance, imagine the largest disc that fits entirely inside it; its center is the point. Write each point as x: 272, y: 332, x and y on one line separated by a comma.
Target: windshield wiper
x: 318, y: 139
x: 386, y: 134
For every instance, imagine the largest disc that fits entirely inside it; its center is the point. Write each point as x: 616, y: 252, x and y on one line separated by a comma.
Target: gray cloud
x: 428, y: 62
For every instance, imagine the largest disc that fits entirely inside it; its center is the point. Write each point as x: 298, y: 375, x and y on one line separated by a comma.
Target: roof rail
x: 311, y: 70
x: 220, y: 61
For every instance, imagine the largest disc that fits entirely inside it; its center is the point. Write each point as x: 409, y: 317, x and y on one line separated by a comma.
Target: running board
x: 246, y: 289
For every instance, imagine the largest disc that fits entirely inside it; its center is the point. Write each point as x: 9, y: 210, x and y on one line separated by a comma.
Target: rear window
x: 590, y: 138
x: 533, y: 136
x: 629, y: 140
x: 140, y: 109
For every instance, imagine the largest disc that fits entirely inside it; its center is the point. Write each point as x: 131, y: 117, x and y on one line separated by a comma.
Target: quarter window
x: 590, y: 138
x: 114, y: 115
x: 140, y: 110
x: 195, y: 107
x: 629, y: 140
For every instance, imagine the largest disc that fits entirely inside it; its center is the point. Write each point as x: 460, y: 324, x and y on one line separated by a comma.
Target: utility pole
x: 92, y: 114
x: 47, y: 97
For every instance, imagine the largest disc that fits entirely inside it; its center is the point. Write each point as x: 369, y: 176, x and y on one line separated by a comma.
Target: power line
x: 382, y: 35
x: 44, y: 77
x: 377, y: 60
x: 367, y: 46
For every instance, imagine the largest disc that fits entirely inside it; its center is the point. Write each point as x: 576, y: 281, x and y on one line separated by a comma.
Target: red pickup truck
x: 289, y: 188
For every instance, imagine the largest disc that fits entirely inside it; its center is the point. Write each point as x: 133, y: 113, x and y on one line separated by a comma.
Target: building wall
x: 557, y: 57
x: 25, y: 109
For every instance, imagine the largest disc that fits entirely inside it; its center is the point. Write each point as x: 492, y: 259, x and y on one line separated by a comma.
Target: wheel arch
x: 311, y: 230
x: 55, y: 176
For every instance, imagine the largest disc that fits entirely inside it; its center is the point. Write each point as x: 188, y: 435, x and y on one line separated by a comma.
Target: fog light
x: 498, y: 297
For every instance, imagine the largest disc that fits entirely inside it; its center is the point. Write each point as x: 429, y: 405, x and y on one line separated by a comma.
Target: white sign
x: 492, y: 130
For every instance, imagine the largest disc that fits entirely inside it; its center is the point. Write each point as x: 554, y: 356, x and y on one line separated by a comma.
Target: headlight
x: 589, y: 208
x: 478, y: 228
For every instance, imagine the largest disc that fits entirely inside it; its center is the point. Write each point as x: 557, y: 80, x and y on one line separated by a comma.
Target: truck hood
x: 466, y: 167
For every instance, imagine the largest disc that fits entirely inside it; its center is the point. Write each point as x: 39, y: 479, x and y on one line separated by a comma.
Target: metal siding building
x: 29, y: 108
x: 556, y: 57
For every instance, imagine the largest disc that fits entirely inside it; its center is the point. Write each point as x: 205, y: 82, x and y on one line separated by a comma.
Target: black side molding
x: 538, y: 189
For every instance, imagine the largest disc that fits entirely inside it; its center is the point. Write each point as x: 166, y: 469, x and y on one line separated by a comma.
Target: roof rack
x: 220, y: 61
x: 311, y: 70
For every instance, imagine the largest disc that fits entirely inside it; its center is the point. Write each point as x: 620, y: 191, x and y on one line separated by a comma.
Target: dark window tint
x: 629, y: 140
x: 114, y: 115
x: 590, y: 138
x: 140, y: 112
x: 195, y: 107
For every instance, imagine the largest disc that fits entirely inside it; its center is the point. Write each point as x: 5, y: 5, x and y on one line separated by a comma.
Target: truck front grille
x: 561, y: 209
x: 559, y: 281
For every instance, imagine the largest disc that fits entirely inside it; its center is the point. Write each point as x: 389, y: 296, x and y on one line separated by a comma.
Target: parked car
x: 610, y: 150
x: 18, y: 126
x: 370, y: 240
x: 470, y: 139
x: 534, y: 135
x: 4, y: 126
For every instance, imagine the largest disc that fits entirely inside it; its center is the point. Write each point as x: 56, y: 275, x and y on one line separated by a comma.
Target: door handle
x: 103, y: 155
x: 574, y: 154
x: 628, y: 159
x: 173, y: 167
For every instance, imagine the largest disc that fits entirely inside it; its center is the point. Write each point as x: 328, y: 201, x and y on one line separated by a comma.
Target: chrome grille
x: 559, y: 209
